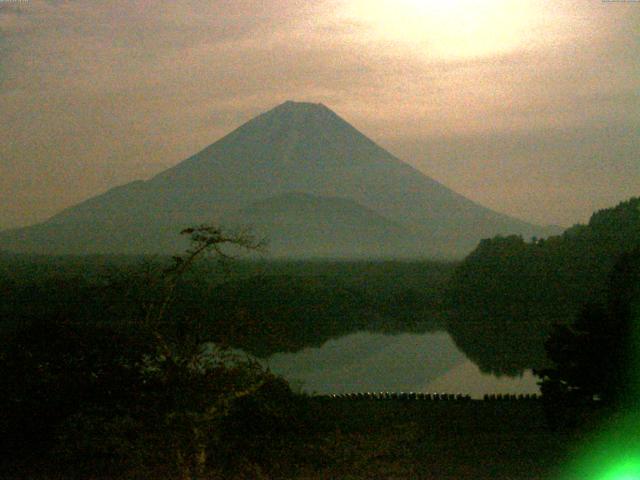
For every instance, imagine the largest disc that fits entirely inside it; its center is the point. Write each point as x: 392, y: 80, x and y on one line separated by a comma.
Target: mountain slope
x: 303, y: 225
x: 296, y: 147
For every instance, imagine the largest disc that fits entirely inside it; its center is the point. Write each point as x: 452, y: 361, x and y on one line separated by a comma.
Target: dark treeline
x: 596, y: 356
x: 104, y: 373
x: 262, y: 307
x: 507, y: 295
x: 499, y: 304
x: 100, y: 379
x: 107, y: 366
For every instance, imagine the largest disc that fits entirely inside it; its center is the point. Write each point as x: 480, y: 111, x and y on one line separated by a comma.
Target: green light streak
x: 613, y: 453
x: 624, y: 470
x: 629, y: 470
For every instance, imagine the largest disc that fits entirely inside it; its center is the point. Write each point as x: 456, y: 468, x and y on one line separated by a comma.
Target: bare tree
x: 205, y: 239
x: 207, y: 365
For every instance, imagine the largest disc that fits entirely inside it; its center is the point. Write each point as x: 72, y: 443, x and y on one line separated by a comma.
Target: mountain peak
x: 300, y: 110
x: 293, y: 105
x: 295, y: 147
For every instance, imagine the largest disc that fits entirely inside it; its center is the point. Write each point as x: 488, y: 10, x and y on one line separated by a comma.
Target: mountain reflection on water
x: 375, y: 362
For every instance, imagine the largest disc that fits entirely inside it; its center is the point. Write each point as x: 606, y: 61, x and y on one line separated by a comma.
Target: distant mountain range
x: 298, y: 174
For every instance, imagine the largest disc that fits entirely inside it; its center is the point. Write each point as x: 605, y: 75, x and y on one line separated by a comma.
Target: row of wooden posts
x: 455, y: 397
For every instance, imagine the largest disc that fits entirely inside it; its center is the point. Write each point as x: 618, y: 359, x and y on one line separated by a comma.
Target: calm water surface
x: 372, y: 362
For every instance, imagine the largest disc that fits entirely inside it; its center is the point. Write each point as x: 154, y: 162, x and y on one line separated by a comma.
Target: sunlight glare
x: 449, y: 28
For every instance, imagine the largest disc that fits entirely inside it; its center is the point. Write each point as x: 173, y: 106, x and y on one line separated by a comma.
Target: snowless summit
x: 297, y: 147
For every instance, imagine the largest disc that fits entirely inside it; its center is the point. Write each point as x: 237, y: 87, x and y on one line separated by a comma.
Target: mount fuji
x: 298, y: 174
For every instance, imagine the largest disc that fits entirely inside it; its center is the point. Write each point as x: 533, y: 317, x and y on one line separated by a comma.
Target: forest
x: 506, y: 296
x: 133, y: 367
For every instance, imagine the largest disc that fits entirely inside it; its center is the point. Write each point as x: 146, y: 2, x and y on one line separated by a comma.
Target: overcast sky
x: 529, y: 107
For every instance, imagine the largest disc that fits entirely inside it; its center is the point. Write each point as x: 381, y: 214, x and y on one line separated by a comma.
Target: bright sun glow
x: 450, y: 28
x: 627, y: 470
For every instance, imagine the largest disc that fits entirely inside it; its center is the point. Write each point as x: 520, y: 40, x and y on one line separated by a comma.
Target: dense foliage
x: 596, y: 356
x: 506, y: 295
x: 83, y: 400
x: 127, y: 369
x: 139, y: 396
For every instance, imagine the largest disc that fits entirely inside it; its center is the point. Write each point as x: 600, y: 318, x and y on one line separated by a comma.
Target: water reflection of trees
x: 507, y: 295
x: 499, y: 304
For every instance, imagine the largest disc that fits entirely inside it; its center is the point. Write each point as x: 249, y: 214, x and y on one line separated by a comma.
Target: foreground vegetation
x: 117, y: 368
x: 313, y: 438
x: 126, y: 370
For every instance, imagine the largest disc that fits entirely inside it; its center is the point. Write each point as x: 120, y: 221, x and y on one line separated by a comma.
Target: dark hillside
x: 508, y: 293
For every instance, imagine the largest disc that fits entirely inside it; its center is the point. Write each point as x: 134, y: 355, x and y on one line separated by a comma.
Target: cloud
x: 96, y: 94
x: 555, y: 176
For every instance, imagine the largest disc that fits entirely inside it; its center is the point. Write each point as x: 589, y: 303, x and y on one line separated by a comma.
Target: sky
x: 531, y: 108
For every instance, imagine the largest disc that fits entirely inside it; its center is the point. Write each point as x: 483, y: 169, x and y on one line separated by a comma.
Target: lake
x: 373, y: 362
